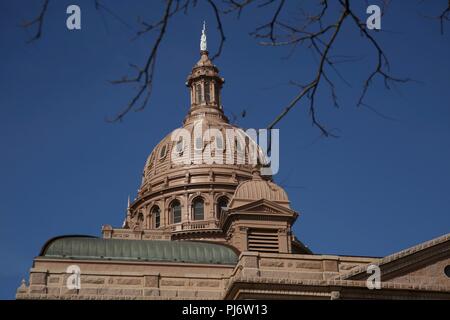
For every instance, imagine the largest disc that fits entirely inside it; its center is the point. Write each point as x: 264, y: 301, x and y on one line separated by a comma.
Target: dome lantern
x: 205, y: 84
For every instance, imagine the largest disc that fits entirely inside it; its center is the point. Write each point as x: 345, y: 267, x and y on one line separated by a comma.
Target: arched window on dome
x: 175, y: 210
x: 198, y: 209
x: 198, y: 93
x: 240, y: 143
x: 222, y: 203
x: 207, y: 91
x: 179, y: 147
x: 156, y: 214
x: 163, y: 152
x: 219, y: 141
x: 151, y: 161
x: 198, y: 144
x: 217, y: 94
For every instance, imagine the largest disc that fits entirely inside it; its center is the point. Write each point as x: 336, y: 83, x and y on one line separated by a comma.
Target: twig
x: 145, y: 75
x: 39, y: 20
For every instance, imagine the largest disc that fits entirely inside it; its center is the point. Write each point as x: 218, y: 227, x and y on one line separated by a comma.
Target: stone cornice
x: 312, y: 287
x: 125, y: 262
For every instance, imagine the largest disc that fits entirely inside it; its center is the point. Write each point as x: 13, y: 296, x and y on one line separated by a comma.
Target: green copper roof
x: 141, y: 250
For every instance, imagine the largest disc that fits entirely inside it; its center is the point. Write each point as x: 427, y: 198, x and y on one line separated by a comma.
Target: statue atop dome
x: 203, y: 44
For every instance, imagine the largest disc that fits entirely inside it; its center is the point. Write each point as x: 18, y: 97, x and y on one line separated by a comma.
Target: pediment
x: 263, y: 206
x: 425, y: 264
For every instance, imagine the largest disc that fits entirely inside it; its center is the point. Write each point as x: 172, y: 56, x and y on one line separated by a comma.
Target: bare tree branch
x: 144, y: 77
x: 39, y: 20
x: 100, y: 6
x: 180, y: 6
x: 219, y: 27
x: 382, y: 67
x: 271, y: 25
x: 310, y: 89
x: 236, y: 6
x: 316, y: 29
x: 444, y: 16
x: 321, y: 46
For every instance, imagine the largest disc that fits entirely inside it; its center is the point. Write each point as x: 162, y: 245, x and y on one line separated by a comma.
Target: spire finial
x: 203, y: 45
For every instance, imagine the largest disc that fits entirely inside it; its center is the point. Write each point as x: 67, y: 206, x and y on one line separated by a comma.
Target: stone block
x: 330, y: 265
x: 168, y: 293
x: 252, y: 272
x: 186, y: 294
x: 110, y: 292
x: 132, y: 292
x: 151, y: 281
x: 129, y: 281
x: 208, y: 283
x: 53, y: 279
x: 305, y: 275
x: 65, y: 291
x: 88, y: 291
x: 173, y: 283
x: 309, y: 265
x: 38, y: 289
x: 213, y: 295
x: 271, y: 263
x: 151, y: 292
x: 250, y: 261
x: 92, y: 280
x: 54, y: 291
x: 38, y: 278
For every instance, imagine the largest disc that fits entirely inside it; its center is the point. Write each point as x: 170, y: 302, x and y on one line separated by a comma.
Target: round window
x: 447, y: 271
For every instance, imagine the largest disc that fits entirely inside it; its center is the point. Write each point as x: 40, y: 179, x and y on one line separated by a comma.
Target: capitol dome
x: 182, y: 150
x: 192, y: 174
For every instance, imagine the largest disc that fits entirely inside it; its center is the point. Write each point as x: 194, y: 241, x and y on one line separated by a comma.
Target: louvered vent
x: 262, y: 240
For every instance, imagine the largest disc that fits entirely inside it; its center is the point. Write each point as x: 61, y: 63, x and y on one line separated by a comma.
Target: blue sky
x: 382, y: 186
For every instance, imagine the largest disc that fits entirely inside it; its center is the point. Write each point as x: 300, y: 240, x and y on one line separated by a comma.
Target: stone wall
x: 297, y: 266
x: 257, y: 275
x: 432, y: 274
x: 116, y: 280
